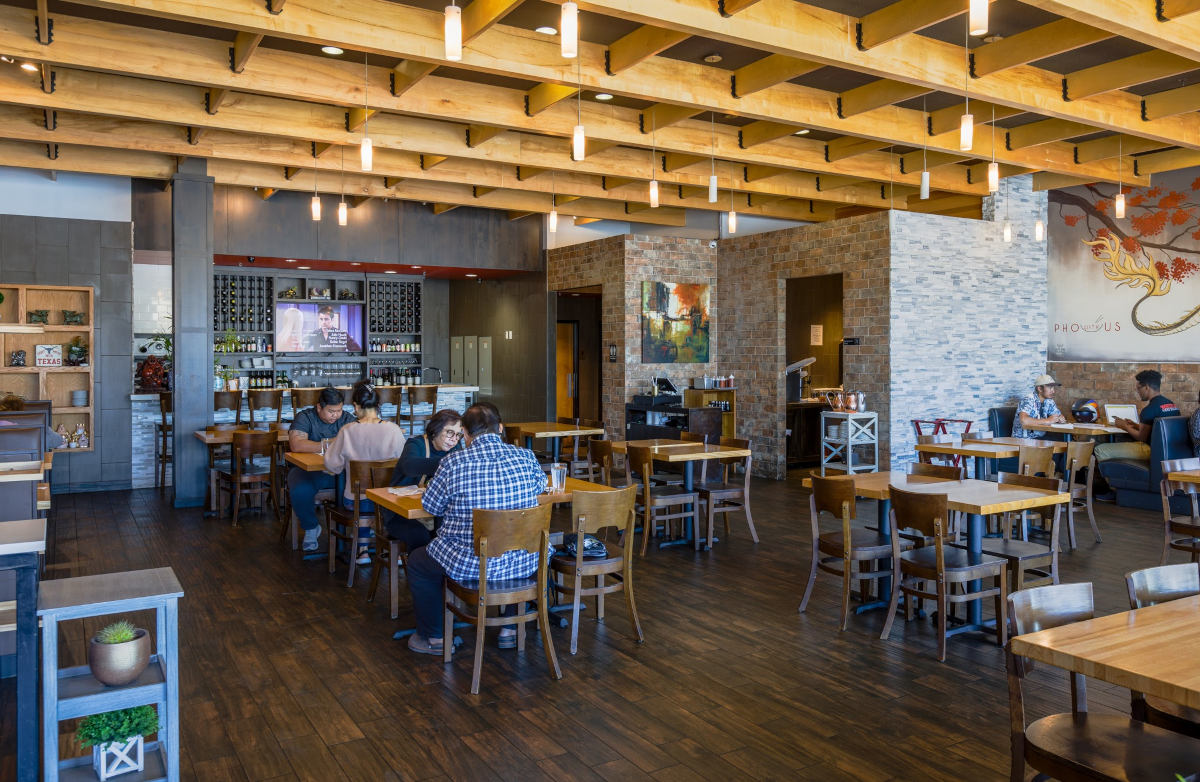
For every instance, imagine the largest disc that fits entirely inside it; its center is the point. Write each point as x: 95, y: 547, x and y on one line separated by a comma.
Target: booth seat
x: 1136, y: 482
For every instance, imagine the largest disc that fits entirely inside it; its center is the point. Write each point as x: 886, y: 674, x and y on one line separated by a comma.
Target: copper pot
x: 116, y: 664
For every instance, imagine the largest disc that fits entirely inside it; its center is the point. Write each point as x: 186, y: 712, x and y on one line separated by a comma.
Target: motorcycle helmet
x: 1086, y: 411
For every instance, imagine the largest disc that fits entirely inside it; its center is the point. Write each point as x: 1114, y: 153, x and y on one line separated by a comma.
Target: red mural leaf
x: 1180, y: 216
x: 1102, y: 206
x: 1131, y: 244
x: 1163, y: 270
x: 1182, y: 269
x: 1196, y: 183
x: 1138, y: 198
x: 1149, y: 224
x: 1071, y: 220
x: 1171, y: 201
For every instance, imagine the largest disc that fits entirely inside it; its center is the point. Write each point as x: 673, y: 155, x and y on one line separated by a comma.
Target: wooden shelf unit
x: 53, y: 383
x: 700, y: 397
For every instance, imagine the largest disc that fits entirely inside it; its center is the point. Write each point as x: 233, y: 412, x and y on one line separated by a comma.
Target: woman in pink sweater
x: 370, y: 438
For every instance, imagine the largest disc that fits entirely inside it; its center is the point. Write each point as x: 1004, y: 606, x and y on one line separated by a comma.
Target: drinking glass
x: 558, y: 477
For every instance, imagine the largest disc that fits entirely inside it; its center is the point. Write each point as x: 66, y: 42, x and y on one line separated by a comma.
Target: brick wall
x: 1113, y: 382
x: 752, y: 274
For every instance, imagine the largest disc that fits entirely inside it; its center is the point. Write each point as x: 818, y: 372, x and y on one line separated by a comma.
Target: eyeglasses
x: 453, y: 435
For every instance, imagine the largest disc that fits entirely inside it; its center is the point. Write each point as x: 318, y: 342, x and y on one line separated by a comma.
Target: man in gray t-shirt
x: 310, y: 427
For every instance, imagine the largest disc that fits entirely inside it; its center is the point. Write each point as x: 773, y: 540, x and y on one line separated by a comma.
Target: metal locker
x: 456, y: 359
x: 471, y: 361
x: 485, y: 365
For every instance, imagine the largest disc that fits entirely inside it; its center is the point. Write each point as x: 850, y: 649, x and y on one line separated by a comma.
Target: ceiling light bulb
x: 569, y: 25
x: 332, y: 51
x: 731, y: 224
x: 993, y: 177
x: 578, y: 144
x: 28, y: 66
x: 604, y: 96
x: 552, y: 221
x: 316, y: 208
x: 977, y: 17
x: 453, y: 33
x: 1119, y: 206
x: 924, y: 185
x: 966, y: 132
x: 653, y: 193
x: 712, y: 189
x: 342, y: 213
x: 545, y: 30
x: 366, y: 153
x: 1007, y: 231
x: 1039, y: 230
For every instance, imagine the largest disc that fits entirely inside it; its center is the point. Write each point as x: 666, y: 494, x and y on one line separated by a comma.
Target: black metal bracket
x: 50, y: 119
x: 52, y: 151
x: 608, y: 62
x: 858, y: 36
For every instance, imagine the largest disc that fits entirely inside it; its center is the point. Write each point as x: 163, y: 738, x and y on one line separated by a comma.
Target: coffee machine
x: 798, y: 379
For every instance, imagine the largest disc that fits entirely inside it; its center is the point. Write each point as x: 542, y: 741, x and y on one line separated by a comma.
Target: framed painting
x: 675, y: 323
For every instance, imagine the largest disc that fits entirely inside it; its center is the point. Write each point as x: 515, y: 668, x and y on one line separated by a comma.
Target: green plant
x: 117, y: 633
x: 229, y: 341
x: 164, y: 341
x: 120, y: 725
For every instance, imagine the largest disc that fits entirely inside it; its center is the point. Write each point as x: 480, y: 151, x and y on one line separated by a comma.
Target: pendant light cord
x: 967, y: 66
x: 366, y: 108
x: 925, y: 133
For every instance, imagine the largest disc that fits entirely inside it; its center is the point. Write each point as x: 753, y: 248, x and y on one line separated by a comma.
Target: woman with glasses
x: 418, y: 462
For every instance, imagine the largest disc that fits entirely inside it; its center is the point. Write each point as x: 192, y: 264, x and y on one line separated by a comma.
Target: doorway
x: 814, y: 330
x: 577, y: 354
x: 566, y: 360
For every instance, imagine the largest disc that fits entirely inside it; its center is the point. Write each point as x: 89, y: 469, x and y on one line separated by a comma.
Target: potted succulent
x: 117, y: 739
x: 119, y: 653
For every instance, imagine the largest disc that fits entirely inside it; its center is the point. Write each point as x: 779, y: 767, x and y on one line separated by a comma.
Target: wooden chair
x: 947, y: 472
x: 265, y: 399
x: 229, y: 400
x: 218, y: 457
x: 943, y: 564
x: 304, y: 397
x: 1181, y: 533
x: 729, y: 493
x: 251, y: 471
x: 389, y: 395
x: 416, y: 395
x: 1081, y: 745
x: 1078, y: 461
x: 1148, y: 587
x: 577, y: 462
x: 497, y: 532
x: 1024, y: 557
x: 513, y: 436
x: 164, y: 430
x: 592, y: 511
x: 1036, y: 460
x: 602, y: 466
x: 343, y: 524
x: 936, y: 458
x: 657, y: 501
x: 836, y: 552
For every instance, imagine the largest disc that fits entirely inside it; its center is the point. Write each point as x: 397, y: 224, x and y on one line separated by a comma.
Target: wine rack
x: 243, y: 303
x: 394, y: 307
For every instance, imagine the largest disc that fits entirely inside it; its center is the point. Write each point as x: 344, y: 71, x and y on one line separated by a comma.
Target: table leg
x: 555, y: 447
x: 27, y: 669
x: 688, y: 486
x: 975, y: 552
x: 883, y: 509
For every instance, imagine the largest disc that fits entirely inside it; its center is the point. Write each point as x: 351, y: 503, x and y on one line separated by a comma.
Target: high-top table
x: 993, y: 448
x: 1150, y: 650
x: 1077, y: 430
x: 21, y: 545
x: 554, y: 432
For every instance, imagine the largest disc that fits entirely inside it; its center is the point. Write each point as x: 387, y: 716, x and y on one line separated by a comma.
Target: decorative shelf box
x: 841, y: 434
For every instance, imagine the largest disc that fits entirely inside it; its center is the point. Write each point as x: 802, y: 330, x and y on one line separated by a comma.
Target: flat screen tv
x: 318, y: 327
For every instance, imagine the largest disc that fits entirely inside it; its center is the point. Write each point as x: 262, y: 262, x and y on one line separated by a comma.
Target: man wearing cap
x: 1037, y: 408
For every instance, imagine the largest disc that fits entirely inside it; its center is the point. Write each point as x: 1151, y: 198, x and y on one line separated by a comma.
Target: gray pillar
x: 192, y: 243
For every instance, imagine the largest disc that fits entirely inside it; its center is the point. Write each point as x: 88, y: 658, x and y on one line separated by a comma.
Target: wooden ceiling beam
x: 937, y: 204
x: 919, y: 160
x: 1044, y: 180
x: 265, y: 193
x: 613, y: 182
x: 638, y: 46
x: 276, y: 6
x: 525, y: 173
x: 407, y: 73
x: 663, y: 115
x: 429, y: 161
x: 1112, y: 146
x: 214, y: 98
x: 480, y: 134
x: 87, y: 43
x: 1125, y: 72
x: 978, y: 172
x: 545, y: 95
x: 480, y: 190
x: 767, y: 72
x: 1043, y: 132
x: 564, y: 199
x: 762, y: 131
x: 850, y: 146
x: 513, y: 216
x: 43, y: 29
x: 480, y: 15
x: 904, y: 17
x: 594, y: 146
x: 731, y: 7
x: 947, y: 119
x: 1061, y: 35
x: 673, y: 161
x: 1173, y: 9
x: 441, y: 209
x: 757, y: 173
x: 1135, y: 20
x: 1169, y: 160
x: 356, y: 201
x: 1170, y: 103
x: 876, y: 94
x: 357, y: 117
x: 244, y: 45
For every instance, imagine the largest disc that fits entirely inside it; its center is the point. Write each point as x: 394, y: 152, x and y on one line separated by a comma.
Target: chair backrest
x: 26, y: 417
x: 1169, y: 439
x: 592, y: 511
x: 369, y: 474
x: 931, y: 439
x: 925, y: 513
x: 419, y: 395
x: 513, y: 436
x: 600, y: 454
x: 248, y: 444
x: 833, y: 494
x: 947, y: 471
x: 1079, y: 456
x: 562, y: 419
x: 639, y: 461
x: 166, y: 403
x: 266, y: 399
x: 500, y: 531
x: 982, y: 434
x: 1179, y: 465
x: 1036, y: 460
x: 1000, y: 420
x: 1162, y: 584
x: 1054, y: 605
x: 694, y: 437
x: 221, y: 427
x: 229, y: 400
x: 304, y: 397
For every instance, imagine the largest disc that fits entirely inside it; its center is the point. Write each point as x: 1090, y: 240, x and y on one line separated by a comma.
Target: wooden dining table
x: 976, y: 498
x: 992, y: 448
x: 225, y: 436
x: 1077, y: 429
x: 1150, y: 650
x: 554, y: 432
x: 1184, y: 476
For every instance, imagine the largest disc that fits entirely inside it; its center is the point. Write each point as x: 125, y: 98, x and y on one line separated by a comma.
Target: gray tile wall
x: 58, y: 251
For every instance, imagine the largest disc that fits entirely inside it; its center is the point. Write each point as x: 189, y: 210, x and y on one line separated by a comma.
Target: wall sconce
x: 508, y: 335
x: 612, y: 353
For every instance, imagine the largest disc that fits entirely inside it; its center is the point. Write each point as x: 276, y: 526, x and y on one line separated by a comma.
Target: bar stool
x: 266, y: 399
x: 416, y: 395
x: 164, y: 429
x: 229, y: 400
x: 388, y: 395
x: 304, y: 397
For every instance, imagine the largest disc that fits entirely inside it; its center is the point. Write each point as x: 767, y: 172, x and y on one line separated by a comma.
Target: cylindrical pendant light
x: 712, y: 189
x: 316, y: 208
x: 977, y: 17
x: 993, y: 177
x: 343, y: 213
x: 1119, y: 201
x: 1119, y: 206
x: 731, y: 223
x: 578, y: 143
x: 568, y: 27
x: 1007, y: 231
x: 924, y: 185
x: 366, y: 153
x: 653, y: 193
x: 966, y: 132
x: 1039, y: 230
x: 453, y: 32
x: 552, y: 221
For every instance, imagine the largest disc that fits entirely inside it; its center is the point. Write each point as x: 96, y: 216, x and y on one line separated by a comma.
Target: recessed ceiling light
x: 993, y: 38
x: 546, y: 30
x: 604, y: 96
x: 389, y: 271
x: 332, y: 51
x: 28, y: 66
x: 303, y: 267
x: 713, y: 59
x: 801, y: 132
x: 469, y: 274
x: 290, y: 260
x: 416, y: 267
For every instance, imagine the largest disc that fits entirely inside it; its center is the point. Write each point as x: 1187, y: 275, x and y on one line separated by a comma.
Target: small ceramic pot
x: 117, y: 664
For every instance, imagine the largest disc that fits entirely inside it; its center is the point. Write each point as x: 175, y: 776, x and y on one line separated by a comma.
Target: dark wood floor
x: 289, y: 675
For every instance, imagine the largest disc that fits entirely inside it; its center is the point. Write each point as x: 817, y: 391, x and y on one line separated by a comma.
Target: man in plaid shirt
x: 490, y: 474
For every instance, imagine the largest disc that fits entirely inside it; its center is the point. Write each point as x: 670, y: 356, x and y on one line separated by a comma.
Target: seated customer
x: 310, y: 429
x: 1037, y: 408
x: 370, y: 438
x: 488, y: 474
x: 1157, y: 406
x: 1194, y: 427
x: 418, y: 463
x: 15, y: 404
